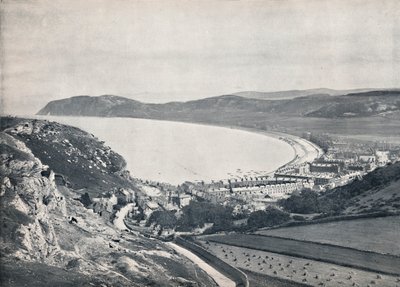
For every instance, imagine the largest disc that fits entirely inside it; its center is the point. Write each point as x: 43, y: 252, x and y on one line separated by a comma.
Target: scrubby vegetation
x: 335, y: 201
x: 83, y: 161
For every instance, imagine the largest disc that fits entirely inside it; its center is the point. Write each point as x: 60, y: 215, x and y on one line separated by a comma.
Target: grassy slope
x: 86, y: 163
x: 372, y: 234
x: 379, y: 186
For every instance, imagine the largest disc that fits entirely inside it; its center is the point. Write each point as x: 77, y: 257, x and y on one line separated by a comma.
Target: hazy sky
x: 161, y: 51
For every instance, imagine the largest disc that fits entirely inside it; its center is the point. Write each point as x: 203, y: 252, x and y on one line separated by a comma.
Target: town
x: 342, y: 162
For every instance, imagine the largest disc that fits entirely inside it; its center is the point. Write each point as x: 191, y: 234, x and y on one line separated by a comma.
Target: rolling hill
x: 297, y: 93
x: 317, y: 105
x: 363, y: 115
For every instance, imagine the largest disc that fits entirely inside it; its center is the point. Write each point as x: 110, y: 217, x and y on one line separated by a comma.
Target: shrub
x: 298, y: 218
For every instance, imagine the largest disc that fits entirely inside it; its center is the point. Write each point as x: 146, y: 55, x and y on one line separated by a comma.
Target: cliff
x: 48, y: 238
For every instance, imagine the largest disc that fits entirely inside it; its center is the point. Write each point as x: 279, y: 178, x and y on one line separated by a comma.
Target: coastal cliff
x: 48, y: 232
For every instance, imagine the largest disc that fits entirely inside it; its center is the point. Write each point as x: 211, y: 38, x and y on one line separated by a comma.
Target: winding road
x: 218, y: 277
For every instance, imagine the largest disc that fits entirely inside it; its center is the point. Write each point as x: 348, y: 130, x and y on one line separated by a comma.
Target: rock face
x: 49, y: 234
x: 27, y: 198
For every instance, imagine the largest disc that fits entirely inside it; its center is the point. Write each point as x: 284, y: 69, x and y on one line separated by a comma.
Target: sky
x: 160, y: 51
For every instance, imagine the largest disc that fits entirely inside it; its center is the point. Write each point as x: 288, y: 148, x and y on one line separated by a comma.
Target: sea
x: 175, y: 152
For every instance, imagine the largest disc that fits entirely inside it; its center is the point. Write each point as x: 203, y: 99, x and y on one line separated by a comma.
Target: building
x: 367, y: 158
x: 325, y: 167
x: 180, y: 199
x: 382, y: 157
x: 124, y: 196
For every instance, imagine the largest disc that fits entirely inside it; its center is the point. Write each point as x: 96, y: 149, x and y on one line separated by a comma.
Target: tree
x: 85, y: 199
x: 166, y: 219
x: 196, y: 214
x: 305, y: 203
x: 269, y: 217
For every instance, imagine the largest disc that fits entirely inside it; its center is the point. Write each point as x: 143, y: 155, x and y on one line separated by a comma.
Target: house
x: 382, y: 157
x: 180, y: 199
x: 124, y: 196
x: 367, y: 158
x: 325, y: 167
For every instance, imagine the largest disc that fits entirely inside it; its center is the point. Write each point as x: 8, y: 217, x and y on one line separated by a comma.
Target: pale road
x: 218, y: 277
x: 120, y: 216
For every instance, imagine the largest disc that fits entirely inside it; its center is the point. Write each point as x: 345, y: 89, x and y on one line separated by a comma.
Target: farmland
x: 271, y: 269
x: 383, y: 234
x: 315, y: 251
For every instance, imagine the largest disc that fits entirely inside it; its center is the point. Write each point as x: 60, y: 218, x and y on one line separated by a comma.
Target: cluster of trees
x: 305, y: 202
x: 164, y: 218
x: 266, y: 218
x: 196, y: 214
x: 322, y: 140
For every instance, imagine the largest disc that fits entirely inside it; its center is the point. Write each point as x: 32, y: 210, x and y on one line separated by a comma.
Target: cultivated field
x: 266, y: 268
x: 315, y: 251
x: 380, y: 235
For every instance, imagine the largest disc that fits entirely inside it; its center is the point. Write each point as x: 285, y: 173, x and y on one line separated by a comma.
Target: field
x: 262, y: 280
x: 380, y: 235
x: 270, y: 269
x: 327, y: 253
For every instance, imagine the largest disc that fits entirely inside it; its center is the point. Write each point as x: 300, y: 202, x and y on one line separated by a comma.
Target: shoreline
x: 303, y: 150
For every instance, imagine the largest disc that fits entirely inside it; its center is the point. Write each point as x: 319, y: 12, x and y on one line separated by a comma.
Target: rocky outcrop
x: 27, y: 194
x: 77, y: 158
x: 48, y: 233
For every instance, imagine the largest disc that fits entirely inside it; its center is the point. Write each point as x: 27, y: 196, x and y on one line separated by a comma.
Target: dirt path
x: 218, y: 277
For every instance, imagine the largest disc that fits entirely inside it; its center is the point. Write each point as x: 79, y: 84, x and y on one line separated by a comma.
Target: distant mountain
x: 291, y: 94
x: 360, y: 104
x: 87, y: 106
x: 376, y: 110
x: 316, y: 105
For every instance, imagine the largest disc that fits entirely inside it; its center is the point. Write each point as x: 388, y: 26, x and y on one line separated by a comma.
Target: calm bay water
x: 175, y: 152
